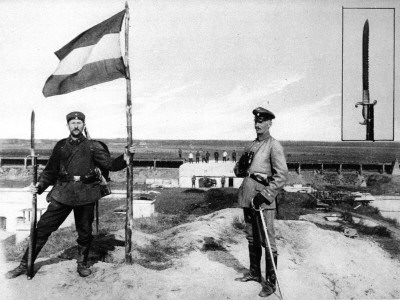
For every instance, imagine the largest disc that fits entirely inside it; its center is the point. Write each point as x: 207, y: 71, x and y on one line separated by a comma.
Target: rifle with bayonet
x: 32, y: 238
x: 367, y: 106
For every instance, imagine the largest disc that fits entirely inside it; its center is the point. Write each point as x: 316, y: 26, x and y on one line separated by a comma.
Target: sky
x: 199, y: 68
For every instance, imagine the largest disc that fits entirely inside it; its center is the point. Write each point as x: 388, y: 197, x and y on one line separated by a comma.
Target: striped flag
x: 93, y: 57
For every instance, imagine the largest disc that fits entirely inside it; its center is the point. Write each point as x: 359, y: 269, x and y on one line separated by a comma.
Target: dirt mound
x: 313, y: 264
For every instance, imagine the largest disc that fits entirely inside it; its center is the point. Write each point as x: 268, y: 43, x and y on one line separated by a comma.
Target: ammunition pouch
x: 63, y: 176
x: 90, y: 177
x: 104, y: 188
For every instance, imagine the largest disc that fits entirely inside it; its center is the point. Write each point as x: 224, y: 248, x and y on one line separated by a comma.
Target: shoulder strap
x: 105, y: 173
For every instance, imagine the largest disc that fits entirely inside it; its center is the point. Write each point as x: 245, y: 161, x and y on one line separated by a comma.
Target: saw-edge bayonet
x: 368, y: 107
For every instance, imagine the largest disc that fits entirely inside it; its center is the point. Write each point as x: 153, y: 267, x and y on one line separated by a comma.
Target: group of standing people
x: 70, y: 170
x: 205, y: 156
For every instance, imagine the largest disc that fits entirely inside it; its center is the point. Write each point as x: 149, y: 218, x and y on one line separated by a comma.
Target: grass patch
x: 238, y: 223
x: 160, y: 222
x: 211, y: 244
x: 292, y: 205
x: 178, y: 201
x: 157, y: 256
x: 60, y: 240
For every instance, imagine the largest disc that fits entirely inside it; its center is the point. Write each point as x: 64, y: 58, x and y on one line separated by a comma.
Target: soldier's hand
x: 258, y: 200
x: 132, y: 149
x: 128, y: 152
x: 34, y: 188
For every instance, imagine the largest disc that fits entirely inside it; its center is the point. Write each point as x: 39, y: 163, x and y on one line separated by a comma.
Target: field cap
x: 75, y: 115
x: 261, y: 114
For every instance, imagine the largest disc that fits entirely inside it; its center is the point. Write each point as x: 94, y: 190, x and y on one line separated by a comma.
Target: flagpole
x: 129, y: 172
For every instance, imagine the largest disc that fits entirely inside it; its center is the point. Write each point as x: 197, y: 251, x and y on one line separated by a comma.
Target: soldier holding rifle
x: 264, y: 169
x: 71, y: 169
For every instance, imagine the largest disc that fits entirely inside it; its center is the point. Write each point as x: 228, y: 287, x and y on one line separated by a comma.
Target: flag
x: 93, y: 57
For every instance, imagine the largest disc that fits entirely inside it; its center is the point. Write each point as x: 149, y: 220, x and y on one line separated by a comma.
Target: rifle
x: 32, y: 238
x: 96, y: 204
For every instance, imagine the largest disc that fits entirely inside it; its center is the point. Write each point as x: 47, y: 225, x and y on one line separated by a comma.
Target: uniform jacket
x: 76, y: 158
x: 268, y: 163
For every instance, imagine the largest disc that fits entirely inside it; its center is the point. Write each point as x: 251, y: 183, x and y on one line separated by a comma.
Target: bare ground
x: 313, y: 264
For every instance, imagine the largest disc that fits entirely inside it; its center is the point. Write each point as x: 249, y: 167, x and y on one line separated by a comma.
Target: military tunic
x: 71, y: 160
x: 268, y: 166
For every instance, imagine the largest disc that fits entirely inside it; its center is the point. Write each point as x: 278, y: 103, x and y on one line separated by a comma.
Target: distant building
x: 212, y: 171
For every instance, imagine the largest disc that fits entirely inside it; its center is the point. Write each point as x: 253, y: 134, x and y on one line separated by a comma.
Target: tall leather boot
x: 82, y: 261
x: 255, y: 269
x: 23, y: 266
x: 269, y: 286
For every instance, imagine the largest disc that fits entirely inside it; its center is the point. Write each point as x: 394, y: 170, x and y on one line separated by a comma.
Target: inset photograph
x: 368, y: 74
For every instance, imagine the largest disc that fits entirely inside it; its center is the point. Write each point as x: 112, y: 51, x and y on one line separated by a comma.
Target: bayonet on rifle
x: 32, y: 238
x: 368, y: 107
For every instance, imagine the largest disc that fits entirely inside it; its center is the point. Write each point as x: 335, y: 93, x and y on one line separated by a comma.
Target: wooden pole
x: 129, y: 170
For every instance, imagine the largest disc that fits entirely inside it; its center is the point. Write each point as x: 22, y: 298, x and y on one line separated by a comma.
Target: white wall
x: 211, y: 170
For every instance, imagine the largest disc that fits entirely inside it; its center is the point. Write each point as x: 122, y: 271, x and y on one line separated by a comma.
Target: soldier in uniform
x: 216, y: 156
x: 223, y: 181
x: 264, y: 176
x: 207, y: 156
x: 234, y: 156
x: 76, y: 188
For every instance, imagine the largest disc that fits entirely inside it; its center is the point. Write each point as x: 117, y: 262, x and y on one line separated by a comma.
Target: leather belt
x: 262, y: 181
x: 70, y: 178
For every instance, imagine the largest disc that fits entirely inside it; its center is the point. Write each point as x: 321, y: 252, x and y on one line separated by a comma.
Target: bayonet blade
x: 365, y: 57
x: 367, y: 107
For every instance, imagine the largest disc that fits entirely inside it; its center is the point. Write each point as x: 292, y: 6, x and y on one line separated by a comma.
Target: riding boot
x: 82, y: 261
x: 255, y: 269
x: 269, y: 286
x: 23, y: 266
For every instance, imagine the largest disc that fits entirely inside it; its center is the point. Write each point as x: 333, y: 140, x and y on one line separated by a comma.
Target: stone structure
x: 211, y: 170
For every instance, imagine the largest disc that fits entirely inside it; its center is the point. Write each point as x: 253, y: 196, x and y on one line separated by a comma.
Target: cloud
x: 320, y: 120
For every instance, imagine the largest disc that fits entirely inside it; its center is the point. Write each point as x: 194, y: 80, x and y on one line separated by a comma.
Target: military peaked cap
x: 75, y: 115
x: 262, y: 114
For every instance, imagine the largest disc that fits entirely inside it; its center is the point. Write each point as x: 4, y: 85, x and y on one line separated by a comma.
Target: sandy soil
x: 313, y: 264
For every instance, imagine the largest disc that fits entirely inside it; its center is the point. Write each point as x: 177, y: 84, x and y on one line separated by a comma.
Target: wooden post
x: 129, y: 169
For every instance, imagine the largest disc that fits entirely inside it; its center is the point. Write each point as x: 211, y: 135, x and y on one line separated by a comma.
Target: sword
x: 268, y: 245
x: 32, y: 238
x: 367, y: 106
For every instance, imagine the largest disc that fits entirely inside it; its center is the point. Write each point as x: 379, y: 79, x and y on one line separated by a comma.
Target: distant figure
x: 203, y: 156
x: 193, y: 181
x: 180, y: 153
x: 223, y: 181
x: 197, y: 156
x: 224, y: 156
x: 207, y: 156
x: 216, y: 156
x: 234, y: 156
x: 190, y: 157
